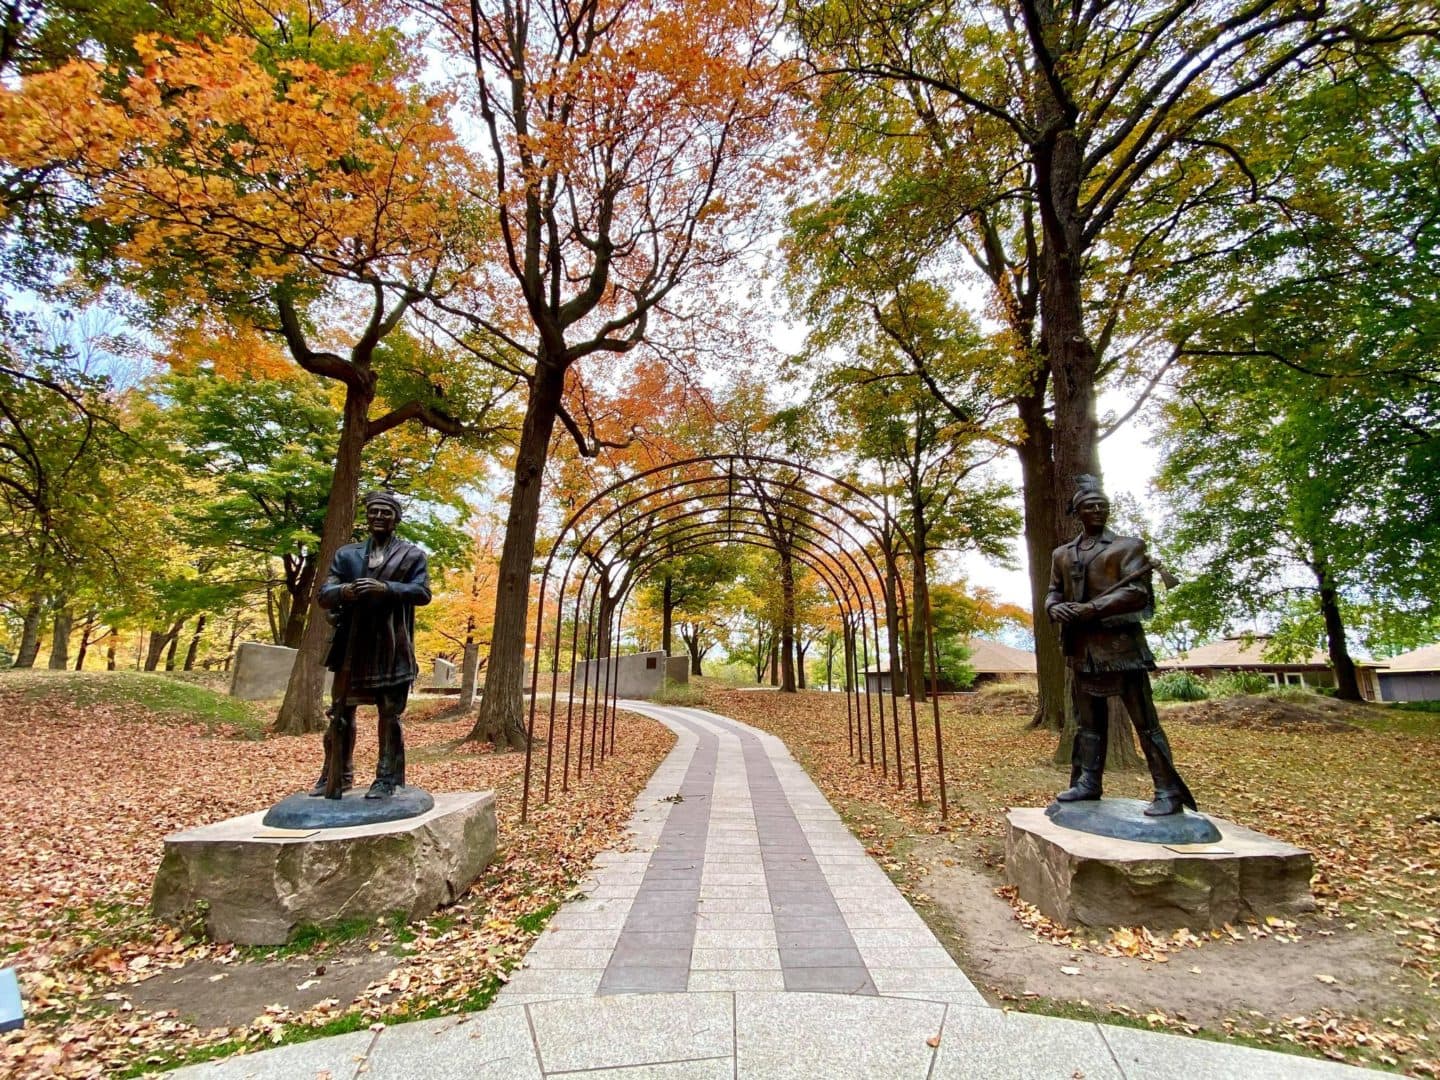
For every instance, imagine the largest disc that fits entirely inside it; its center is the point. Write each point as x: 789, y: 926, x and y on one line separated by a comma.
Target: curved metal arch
x: 864, y: 578
x: 884, y: 534
x: 692, y: 498
x: 728, y: 529
x: 762, y: 541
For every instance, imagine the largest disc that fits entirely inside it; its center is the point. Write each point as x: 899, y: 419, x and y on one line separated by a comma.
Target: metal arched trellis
x: 836, y: 530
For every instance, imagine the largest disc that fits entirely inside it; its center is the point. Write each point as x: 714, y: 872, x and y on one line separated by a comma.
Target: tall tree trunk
x: 303, y: 708
x: 30, y: 634
x: 774, y: 664
x: 87, y: 630
x: 919, y: 657
x: 502, y: 720
x: 1042, y: 536
x: 160, y: 640
x: 170, y: 649
x: 1347, y: 681
x: 60, y: 640
x: 294, y: 619
x: 787, y: 621
x: 110, y: 649
x: 277, y: 634
x: 692, y: 646
x: 469, y: 666
x: 799, y: 665
x: 230, y: 646
x: 604, y: 631
x: 667, y: 614
x: 1063, y: 338
x: 194, y: 648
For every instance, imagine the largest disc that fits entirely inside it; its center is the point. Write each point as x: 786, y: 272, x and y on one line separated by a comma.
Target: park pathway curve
x: 742, y: 931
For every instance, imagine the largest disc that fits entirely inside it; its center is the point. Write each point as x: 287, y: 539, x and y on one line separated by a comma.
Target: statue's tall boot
x: 1171, y: 794
x: 386, y: 766
x: 344, y: 729
x: 1089, y: 756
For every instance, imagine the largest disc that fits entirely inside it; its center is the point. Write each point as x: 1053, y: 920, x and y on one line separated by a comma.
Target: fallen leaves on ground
x: 1361, y: 800
x: 92, y: 789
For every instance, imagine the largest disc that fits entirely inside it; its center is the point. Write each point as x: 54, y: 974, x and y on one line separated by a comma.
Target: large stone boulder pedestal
x: 1081, y: 879
x: 260, y: 883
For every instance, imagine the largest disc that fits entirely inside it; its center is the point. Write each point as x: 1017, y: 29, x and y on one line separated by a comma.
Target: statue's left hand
x: 369, y: 587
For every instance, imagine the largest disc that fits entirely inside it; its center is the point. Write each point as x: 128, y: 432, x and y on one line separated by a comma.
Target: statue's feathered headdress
x: 1086, y: 486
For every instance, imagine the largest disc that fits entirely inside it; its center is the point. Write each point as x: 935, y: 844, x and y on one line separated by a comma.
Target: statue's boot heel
x: 1090, y: 747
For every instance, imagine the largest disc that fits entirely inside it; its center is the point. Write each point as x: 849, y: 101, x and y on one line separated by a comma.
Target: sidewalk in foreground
x: 744, y: 932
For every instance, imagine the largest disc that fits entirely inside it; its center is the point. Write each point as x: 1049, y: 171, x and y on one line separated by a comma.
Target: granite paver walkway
x: 742, y: 931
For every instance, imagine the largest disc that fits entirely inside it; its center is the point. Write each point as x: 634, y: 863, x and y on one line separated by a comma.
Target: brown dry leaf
x: 80, y: 923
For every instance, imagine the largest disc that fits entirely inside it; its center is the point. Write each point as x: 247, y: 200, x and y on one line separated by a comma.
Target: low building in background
x: 1411, y: 676
x: 1246, y: 653
x: 991, y: 661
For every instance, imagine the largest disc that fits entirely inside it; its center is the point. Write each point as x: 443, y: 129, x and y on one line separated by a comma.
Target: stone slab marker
x: 262, y: 883
x: 444, y: 675
x: 263, y: 671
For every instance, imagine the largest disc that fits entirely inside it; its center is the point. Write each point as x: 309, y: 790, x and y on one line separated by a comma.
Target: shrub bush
x: 673, y: 693
x: 1239, y: 682
x: 1179, y: 686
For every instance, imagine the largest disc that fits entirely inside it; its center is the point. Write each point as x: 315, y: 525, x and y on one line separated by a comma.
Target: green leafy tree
x: 1067, y: 155
x: 1298, y: 499
x: 931, y: 456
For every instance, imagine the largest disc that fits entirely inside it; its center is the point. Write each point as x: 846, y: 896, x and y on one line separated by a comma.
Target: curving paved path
x: 744, y: 932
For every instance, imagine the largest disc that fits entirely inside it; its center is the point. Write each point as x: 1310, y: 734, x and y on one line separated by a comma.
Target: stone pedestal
x: 1080, y: 879
x: 260, y: 883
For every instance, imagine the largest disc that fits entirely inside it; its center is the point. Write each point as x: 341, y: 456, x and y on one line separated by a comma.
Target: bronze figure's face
x: 380, y: 519
x: 1094, y: 512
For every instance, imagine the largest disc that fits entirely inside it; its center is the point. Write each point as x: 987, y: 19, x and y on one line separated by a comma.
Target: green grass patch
x: 1416, y: 706
x: 166, y: 698
x: 310, y: 937
x: 534, y: 922
x: 1398, y: 721
x: 290, y: 1033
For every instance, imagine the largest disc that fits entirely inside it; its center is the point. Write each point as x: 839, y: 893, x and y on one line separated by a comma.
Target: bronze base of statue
x: 303, y: 812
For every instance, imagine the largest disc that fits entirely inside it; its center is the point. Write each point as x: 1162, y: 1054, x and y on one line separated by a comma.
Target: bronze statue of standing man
x: 372, y: 591
x: 1099, y: 590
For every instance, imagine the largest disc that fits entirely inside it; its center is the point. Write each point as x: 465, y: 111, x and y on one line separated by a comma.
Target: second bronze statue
x: 1099, y: 591
x: 371, y: 593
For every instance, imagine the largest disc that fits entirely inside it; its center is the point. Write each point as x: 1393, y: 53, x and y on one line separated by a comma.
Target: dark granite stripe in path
x: 817, y: 951
x: 652, y: 953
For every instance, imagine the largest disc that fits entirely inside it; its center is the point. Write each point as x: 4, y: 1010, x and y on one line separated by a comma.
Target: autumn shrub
x: 1236, y: 683
x: 1179, y: 686
x: 673, y: 693
x: 1292, y: 693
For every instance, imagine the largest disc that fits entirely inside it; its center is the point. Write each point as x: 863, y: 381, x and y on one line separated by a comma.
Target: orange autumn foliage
x: 244, y: 169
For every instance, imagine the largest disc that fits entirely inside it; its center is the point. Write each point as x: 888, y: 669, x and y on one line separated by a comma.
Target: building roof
x: 1239, y: 652
x: 1425, y: 658
x: 988, y: 656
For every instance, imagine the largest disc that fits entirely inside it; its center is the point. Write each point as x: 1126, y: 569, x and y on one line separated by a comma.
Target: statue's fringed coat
x: 384, y: 638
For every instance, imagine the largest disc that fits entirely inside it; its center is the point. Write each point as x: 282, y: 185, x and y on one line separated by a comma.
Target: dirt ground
x: 207, y: 994
x: 1269, y: 976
